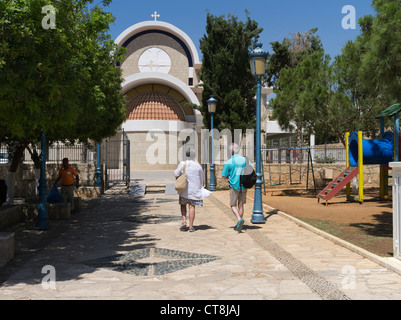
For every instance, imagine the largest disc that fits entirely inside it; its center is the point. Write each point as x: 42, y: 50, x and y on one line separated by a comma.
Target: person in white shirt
x: 194, y: 193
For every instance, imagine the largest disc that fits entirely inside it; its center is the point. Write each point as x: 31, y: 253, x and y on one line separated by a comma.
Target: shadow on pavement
x: 104, y: 227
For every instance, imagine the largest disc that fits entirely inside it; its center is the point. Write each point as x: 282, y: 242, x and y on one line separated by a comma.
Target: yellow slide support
x: 348, y: 188
x: 360, y: 166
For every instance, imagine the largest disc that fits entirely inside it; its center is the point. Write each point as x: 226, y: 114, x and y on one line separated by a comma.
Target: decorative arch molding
x: 149, y: 81
x: 160, y: 27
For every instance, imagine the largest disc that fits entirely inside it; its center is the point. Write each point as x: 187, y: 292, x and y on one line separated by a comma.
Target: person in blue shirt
x: 232, y: 171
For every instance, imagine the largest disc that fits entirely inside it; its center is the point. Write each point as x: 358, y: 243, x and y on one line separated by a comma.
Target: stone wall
x: 278, y: 176
x: 25, y: 181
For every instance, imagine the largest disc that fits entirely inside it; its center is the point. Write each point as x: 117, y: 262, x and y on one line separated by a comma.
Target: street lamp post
x: 257, y: 59
x: 212, y: 104
x: 98, y: 169
x: 43, y: 220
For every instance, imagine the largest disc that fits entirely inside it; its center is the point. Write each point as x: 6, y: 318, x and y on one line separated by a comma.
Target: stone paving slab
x: 352, y: 272
x: 124, y: 247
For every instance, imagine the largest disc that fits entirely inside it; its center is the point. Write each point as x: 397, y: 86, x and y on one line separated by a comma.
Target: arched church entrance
x: 159, y: 120
x: 161, y: 86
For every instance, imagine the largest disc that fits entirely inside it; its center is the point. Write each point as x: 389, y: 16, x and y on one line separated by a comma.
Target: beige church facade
x: 161, y: 87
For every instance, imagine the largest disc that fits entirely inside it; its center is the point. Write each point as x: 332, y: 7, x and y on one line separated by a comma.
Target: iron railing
x: 319, y: 154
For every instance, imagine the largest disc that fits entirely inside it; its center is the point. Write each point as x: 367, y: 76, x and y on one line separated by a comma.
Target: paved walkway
x: 125, y: 247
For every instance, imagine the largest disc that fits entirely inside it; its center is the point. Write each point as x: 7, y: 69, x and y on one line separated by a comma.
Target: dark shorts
x: 196, y: 203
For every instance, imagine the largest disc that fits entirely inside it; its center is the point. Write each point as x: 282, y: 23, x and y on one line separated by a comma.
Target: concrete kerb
x: 392, y: 264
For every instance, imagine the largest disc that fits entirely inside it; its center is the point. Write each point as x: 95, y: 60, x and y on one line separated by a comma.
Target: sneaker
x: 240, y: 225
x: 183, y: 227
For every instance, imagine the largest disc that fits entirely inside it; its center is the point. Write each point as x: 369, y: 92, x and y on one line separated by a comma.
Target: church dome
x: 154, y: 105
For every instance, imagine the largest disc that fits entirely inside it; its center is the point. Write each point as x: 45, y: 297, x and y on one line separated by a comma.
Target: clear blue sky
x: 278, y: 18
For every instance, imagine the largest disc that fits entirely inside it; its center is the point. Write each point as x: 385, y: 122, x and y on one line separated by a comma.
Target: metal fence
x: 328, y: 154
x: 4, y: 155
x: 114, y: 157
x: 115, y: 154
x: 79, y: 153
x: 319, y: 154
x: 76, y: 154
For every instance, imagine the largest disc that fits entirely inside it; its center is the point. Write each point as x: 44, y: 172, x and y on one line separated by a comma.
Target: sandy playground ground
x: 368, y: 225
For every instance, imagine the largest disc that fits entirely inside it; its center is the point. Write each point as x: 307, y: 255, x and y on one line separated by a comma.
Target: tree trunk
x: 34, y: 156
x: 36, y: 160
x: 16, y: 159
x: 10, y: 187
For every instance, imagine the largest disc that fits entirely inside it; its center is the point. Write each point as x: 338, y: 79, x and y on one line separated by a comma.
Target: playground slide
x: 375, y: 151
x: 337, y: 184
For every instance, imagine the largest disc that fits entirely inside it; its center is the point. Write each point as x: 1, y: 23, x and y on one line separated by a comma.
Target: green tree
x: 226, y: 72
x: 63, y: 80
x: 358, y: 102
x: 355, y: 100
x: 297, y: 105
x: 291, y: 76
x: 328, y: 98
x: 381, y: 65
x: 289, y: 53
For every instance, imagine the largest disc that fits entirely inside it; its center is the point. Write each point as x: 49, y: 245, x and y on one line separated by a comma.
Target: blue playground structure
x: 375, y: 151
x: 361, y: 152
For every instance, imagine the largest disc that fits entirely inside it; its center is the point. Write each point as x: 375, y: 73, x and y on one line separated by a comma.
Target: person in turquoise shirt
x: 232, y: 171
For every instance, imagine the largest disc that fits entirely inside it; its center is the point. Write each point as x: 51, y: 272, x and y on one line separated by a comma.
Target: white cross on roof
x: 155, y: 15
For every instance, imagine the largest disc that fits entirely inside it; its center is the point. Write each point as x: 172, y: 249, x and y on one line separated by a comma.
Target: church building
x: 161, y: 87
